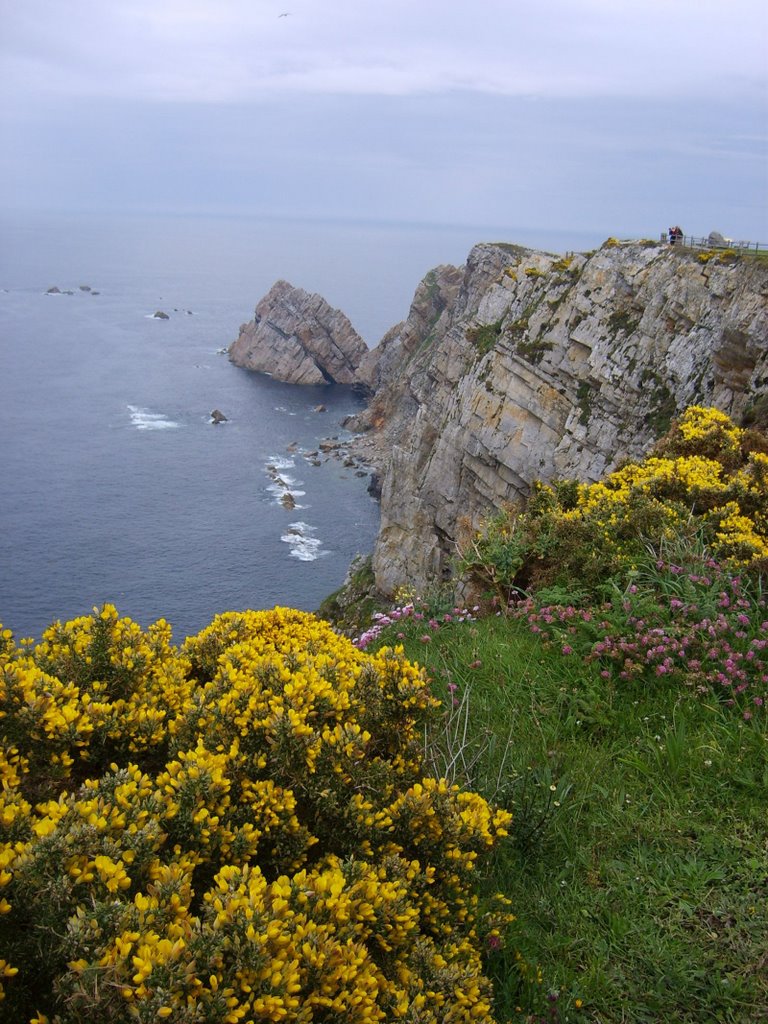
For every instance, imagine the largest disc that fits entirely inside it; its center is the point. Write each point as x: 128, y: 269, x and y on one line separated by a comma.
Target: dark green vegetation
x: 623, y: 320
x: 484, y: 336
x: 355, y: 601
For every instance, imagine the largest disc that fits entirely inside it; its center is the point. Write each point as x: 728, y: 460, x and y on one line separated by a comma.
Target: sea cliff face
x: 521, y: 366
x: 539, y: 366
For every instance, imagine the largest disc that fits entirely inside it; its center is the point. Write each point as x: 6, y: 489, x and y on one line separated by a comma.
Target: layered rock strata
x: 297, y: 337
x: 541, y: 367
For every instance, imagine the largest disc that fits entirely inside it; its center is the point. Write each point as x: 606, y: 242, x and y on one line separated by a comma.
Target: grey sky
x: 611, y: 115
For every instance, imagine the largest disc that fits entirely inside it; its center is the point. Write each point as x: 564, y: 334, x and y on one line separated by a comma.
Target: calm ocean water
x: 115, y: 485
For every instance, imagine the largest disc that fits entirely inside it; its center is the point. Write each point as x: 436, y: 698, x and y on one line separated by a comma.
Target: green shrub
x: 484, y: 336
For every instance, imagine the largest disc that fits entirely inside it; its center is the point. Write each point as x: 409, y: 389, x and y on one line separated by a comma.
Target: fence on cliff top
x: 692, y: 242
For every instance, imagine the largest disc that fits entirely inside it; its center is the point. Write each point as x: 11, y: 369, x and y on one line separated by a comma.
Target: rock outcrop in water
x: 522, y: 365
x: 298, y: 338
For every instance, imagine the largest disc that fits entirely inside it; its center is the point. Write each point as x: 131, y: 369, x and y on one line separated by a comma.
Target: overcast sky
x: 609, y: 115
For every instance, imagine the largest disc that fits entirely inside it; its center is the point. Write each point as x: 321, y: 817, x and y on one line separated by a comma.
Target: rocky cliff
x: 522, y: 365
x: 532, y: 366
x: 298, y: 338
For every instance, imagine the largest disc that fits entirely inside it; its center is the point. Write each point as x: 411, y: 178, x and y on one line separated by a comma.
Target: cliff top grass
x: 636, y: 864
x: 610, y: 690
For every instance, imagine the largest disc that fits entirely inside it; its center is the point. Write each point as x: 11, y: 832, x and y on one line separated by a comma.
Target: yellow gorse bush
x: 706, y: 480
x: 236, y: 830
x: 700, y: 471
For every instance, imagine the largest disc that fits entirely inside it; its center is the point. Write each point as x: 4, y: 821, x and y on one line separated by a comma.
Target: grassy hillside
x: 637, y: 863
x: 612, y: 695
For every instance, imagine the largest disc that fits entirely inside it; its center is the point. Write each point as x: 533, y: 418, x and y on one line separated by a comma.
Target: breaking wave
x: 283, y: 487
x: 304, y: 546
x: 144, y: 419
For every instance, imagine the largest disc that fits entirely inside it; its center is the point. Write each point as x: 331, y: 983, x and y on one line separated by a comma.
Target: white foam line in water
x: 304, y: 546
x: 285, y: 489
x: 280, y: 497
x: 285, y: 481
x: 280, y: 462
x: 144, y: 419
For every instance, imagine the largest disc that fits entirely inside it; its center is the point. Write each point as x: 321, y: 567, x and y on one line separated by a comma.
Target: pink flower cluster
x: 410, y: 613
x: 707, y: 635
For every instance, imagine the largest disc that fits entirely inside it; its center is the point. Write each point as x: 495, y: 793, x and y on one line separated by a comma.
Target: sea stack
x: 298, y: 338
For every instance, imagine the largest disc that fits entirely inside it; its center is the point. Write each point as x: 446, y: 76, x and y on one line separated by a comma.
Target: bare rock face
x: 435, y: 293
x: 383, y: 368
x: 299, y: 338
x: 540, y: 367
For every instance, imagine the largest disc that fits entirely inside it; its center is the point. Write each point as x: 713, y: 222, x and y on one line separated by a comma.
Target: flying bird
x: 286, y: 14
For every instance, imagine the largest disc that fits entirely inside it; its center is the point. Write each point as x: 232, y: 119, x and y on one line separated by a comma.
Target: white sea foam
x: 282, y: 484
x: 280, y: 462
x: 144, y: 419
x: 278, y: 493
x: 304, y: 546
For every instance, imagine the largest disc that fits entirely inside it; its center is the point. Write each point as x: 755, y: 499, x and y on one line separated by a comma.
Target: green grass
x: 638, y: 861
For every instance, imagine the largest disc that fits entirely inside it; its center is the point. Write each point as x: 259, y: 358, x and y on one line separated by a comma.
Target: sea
x: 116, y: 486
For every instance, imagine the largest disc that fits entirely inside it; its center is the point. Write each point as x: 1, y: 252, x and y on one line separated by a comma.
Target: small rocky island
x: 298, y: 338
